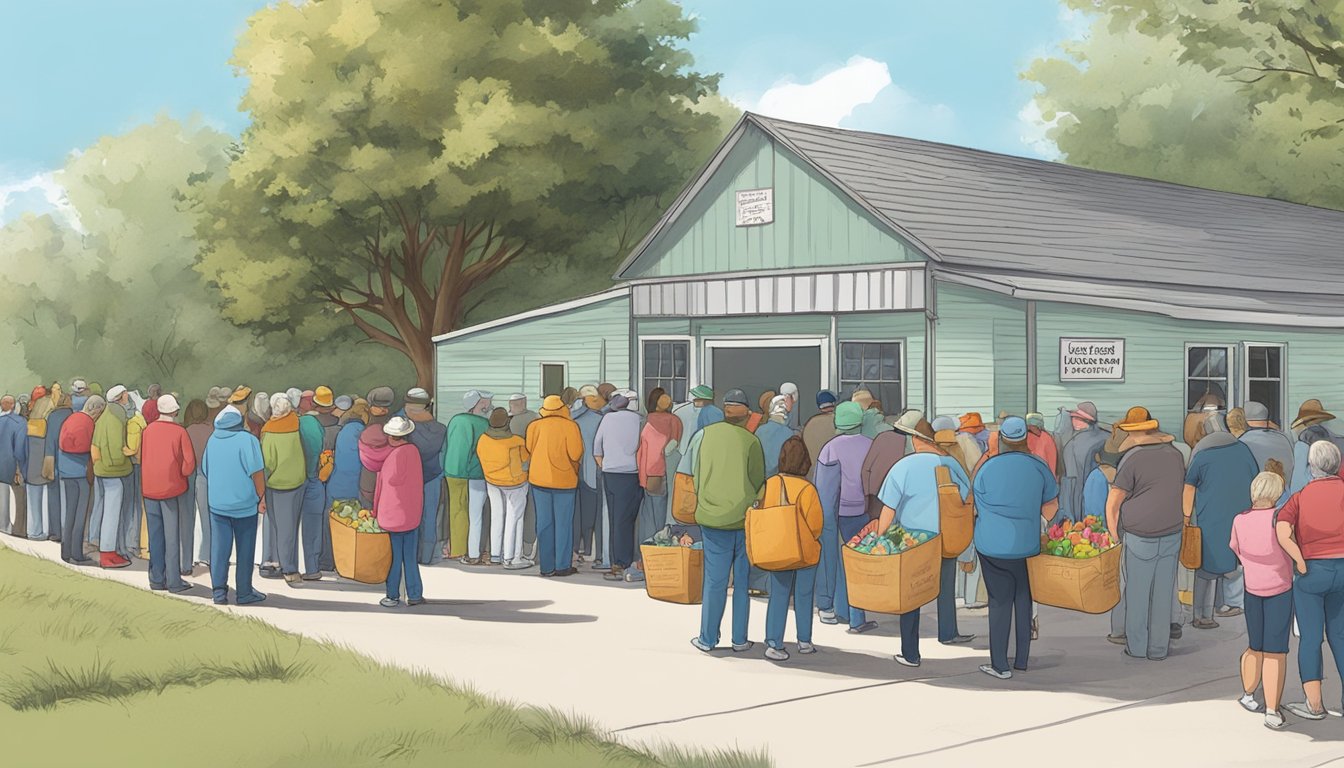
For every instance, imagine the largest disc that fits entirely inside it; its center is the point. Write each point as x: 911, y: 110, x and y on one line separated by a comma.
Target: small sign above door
x: 755, y: 207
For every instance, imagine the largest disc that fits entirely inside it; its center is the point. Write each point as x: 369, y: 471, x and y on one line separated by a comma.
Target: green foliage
x: 138, y: 674
x: 1240, y: 96
x: 386, y: 133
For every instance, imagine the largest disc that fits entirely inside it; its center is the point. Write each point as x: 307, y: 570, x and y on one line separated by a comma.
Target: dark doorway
x: 552, y: 379
x: 755, y: 370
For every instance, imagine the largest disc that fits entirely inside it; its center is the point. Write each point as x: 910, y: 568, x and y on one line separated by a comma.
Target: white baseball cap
x: 519, y: 396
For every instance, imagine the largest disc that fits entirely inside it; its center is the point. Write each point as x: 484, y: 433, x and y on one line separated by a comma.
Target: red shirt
x: 1317, y: 516
x: 166, y: 460
x: 77, y: 433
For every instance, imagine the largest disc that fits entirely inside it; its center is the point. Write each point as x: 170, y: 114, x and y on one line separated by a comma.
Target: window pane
x: 1257, y: 364
x: 849, y: 351
x: 650, y: 358
x: 1218, y: 363
x: 679, y: 350
x: 1267, y: 394
x: 1273, y: 365
x: 872, y: 353
x: 891, y: 362
x: 1198, y: 388
x: 679, y: 391
x: 872, y: 370
x: 850, y: 369
x: 891, y: 399
x: 1199, y: 361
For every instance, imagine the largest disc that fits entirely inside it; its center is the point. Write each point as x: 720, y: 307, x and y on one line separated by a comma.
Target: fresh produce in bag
x: 674, y: 565
x: 1080, y: 540
x: 1078, y: 568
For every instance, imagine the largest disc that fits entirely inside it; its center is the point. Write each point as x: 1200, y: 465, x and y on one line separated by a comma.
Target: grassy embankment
x: 95, y: 672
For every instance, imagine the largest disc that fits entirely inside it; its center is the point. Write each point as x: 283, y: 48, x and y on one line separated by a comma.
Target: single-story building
x: 945, y: 279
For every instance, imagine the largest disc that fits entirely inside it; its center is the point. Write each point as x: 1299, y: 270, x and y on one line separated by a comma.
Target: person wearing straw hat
x: 1310, y: 427
x: 840, y: 487
x: 1145, y: 505
x: 1014, y: 491
x: 909, y: 495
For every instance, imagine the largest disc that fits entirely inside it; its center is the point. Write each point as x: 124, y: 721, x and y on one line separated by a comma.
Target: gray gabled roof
x: 1016, y: 220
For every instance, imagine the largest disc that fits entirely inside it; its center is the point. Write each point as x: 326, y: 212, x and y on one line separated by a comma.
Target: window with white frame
x: 666, y: 365
x: 1208, y: 376
x: 1264, y: 378
x: 876, y: 367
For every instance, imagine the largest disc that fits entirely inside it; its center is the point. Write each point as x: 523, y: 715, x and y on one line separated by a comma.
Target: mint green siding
x: 592, y: 341
x: 981, y: 345
x: 1155, y: 361
x: 815, y: 226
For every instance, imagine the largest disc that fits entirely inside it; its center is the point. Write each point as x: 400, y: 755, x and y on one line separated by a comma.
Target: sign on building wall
x: 755, y: 207
x: 1091, y: 359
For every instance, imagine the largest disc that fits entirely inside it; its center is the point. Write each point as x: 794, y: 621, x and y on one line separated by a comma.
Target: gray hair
x: 1323, y: 459
x: 94, y: 406
x: 1267, y: 486
x: 281, y: 405
x: 261, y: 406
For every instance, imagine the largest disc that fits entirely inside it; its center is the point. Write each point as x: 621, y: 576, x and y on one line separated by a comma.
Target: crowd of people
x: 590, y: 475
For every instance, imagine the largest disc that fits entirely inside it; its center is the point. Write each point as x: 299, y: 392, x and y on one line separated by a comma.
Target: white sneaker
x: 743, y: 648
x: 904, y: 661
x: 1248, y: 702
x: 806, y: 648
x: 776, y: 654
x: 1303, y: 710
x: 1274, y: 720
x: 1007, y: 674
x: 518, y: 565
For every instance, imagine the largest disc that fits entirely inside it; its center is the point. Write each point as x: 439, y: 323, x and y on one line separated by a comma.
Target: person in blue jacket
x: 344, y: 481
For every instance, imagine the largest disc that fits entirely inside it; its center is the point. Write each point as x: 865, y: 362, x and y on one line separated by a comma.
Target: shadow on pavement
x: 508, y: 611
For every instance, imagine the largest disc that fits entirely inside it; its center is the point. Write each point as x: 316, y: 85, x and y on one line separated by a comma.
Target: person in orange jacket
x: 556, y: 447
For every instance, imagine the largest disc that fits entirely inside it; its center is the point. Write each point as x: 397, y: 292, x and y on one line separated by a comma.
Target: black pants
x: 623, y: 498
x: 74, y: 492
x: 1009, y: 603
x: 947, y: 612
x: 585, y: 517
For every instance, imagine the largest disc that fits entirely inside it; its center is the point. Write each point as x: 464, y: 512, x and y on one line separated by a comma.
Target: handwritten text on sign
x: 755, y: 206
x: 1091, y: 359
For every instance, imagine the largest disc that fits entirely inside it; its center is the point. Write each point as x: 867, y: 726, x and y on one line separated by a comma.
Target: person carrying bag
x: 779, y: 537
x: 784, y: 540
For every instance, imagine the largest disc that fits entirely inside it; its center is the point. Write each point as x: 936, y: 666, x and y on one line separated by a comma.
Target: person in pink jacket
x: 398, y: 502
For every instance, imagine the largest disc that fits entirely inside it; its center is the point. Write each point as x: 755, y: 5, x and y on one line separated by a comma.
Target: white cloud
x: 829, y: 99
x: 39, y: 193
x: 1034, y: 131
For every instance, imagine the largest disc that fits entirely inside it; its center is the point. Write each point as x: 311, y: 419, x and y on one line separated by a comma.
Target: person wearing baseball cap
x: 466, y: 479
x: 589, y: 518
x: 79, y: 394
x: 615, y: 449
x: 1079, y: 459
x: 167, y: 463
x: 1267, y: 442
x: 1145, y: 503
x: 840, y: 484
x: 727, y: 464
x: 909, y: 495
x: 429, y: 437
x: 112, y: 471
x: 398, y: 503
x: 1014, y: 492
x: 709, y: 412
x: 820, y: 428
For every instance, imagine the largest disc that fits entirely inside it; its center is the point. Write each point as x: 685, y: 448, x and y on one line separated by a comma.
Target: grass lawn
x: 95, y: 672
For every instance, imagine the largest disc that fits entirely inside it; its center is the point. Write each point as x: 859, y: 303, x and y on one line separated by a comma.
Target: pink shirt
x: 1269, y: 570
x: 399, y: 496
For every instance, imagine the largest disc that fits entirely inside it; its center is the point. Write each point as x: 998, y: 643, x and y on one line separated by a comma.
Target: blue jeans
x: 164, y: 519
x: 947, y: 612
x: 1150, y: 586
x: 725, y: 553
x: 800, y: 584
x: 849, y: 526
x: 828, y: 570
x: 224, y: 532
x: 429, y: 522
x: 555, y: 528
x: 404, y: 547
x: 312, y: 519
x: 623, y: 496
x: 1319, y: 599
x: 116, y: 498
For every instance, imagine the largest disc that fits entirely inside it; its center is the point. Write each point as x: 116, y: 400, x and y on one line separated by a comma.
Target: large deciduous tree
x: 403, y: 153
x: 1237, y: 95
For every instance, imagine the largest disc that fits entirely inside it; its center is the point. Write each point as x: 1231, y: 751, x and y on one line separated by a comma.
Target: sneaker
x: 977, y: 606
x: 158, y: 587
x: 493, y: 562
x: 742, y: 647
x: 992, y: 672
x: 1227, y: 612
x: 465, y: 560
x: 904, y: 661
x: 1176, y: 632
x: 825, y: 614
x: 776, y: 654
x: 1204, y: 624
x: 547, y: 574
x: 1248, y: 702
x: 268, y: 572
x: 806, y: 648
x: 293, y: 579
x: 255, y: 597
x: 1303, y: 710
x: 312, y: 576
x: 828, y: 617
x: 1274, y: 720
x: 634, y: 575
x: 615, y: 574
x: 601, y: 566
x: 867, y: 626
x: 757, y: 593
x: 1117, y: 639
x: 389, y: 602
x: 112, y: 560
x: 700, y: 645
x: 412, y: 602
x: 958, y: 640
x: 567, y: 572
x: 517, y: 565
x: 181, y: 588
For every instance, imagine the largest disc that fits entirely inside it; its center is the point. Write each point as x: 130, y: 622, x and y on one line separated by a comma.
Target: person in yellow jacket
x: 504, y: 459
x: 556, y: 447
x: 794, y: 465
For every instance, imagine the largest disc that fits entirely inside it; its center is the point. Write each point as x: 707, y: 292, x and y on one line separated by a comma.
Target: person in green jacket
x: 314, y: 505
x: 728, y: 467
x: 286, y: 473
x: 112, y: 468
x: 466, y: 479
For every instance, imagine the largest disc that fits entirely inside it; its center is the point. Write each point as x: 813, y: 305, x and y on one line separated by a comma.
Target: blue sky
x: 945, y: 71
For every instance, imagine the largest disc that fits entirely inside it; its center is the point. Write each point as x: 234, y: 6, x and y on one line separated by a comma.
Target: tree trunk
x: 421, y: 351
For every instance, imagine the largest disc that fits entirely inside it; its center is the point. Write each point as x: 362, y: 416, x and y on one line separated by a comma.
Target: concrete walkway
x: 608, y: 652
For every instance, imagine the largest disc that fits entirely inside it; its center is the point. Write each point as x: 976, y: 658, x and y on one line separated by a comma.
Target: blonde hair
x: 1267, y: 486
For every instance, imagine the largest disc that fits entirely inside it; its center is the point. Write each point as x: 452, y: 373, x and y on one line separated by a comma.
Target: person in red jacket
x: 167, y: 461
x: 398, y: 503
x: 74, y: 469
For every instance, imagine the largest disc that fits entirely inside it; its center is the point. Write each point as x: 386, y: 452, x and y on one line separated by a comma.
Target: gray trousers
x: 132, y: 509
x: 283, y: 509
x: 1149, y: 593
x: 74, y: 516
x: 7, y: 507
x: 116, y: 506
x: 1118, y: 612
x: 1215, y: 590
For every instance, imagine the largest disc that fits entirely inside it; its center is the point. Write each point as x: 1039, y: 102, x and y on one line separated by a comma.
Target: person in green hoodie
x: 313, y: 518
x: 466, y: 479
x: 728, y: 469
x: 112, y: 467
x: 286, y: 473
